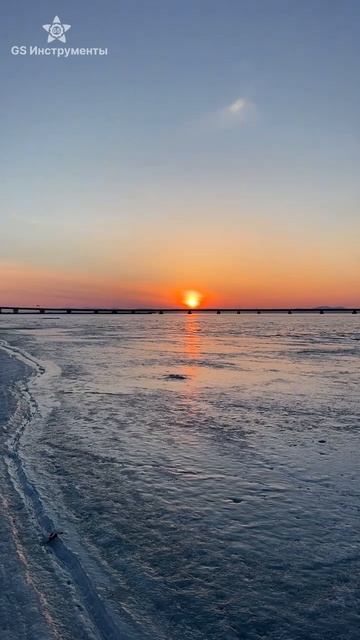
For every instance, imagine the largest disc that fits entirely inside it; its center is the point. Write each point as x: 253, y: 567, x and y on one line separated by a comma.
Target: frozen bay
x: 204, y: 471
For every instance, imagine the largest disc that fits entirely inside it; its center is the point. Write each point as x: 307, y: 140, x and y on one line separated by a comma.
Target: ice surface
x: 204, y: 471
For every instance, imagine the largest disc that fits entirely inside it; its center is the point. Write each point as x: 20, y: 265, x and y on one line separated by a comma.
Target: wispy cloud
x: 239, y: 106
x: 28, y: 220
x: 236, y: 114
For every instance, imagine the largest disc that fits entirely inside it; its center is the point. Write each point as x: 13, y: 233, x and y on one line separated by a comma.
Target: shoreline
x: 23, y: 596
x: 97, y: 619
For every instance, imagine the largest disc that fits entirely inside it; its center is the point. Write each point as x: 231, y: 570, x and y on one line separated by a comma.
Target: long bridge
x: 139, y: 311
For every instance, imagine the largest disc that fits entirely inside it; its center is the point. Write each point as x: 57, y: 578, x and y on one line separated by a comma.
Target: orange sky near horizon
x: 24, y: 285
x: 215, y: 248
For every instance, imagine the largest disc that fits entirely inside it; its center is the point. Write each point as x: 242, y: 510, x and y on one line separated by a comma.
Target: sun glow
x: 192, y: 299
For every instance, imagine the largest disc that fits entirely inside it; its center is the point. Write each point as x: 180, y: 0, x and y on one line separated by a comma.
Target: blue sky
x: 206, y: 120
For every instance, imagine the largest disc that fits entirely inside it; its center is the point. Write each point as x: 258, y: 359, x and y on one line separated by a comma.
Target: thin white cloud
x: 236, y: 114
x: 25, y: 219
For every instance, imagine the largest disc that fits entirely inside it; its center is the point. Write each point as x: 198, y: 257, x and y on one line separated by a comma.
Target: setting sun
x: 192, y: 299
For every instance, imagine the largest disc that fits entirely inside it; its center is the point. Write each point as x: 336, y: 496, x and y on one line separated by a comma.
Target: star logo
x: 56, y: 30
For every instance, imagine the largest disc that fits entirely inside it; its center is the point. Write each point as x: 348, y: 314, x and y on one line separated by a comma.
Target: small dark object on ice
x: 53, y: 535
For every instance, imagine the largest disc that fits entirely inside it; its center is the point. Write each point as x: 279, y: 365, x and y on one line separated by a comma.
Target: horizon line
x: 42, y: 309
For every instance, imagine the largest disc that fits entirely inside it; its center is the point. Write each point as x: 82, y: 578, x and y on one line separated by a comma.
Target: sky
x: 215, y: 148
